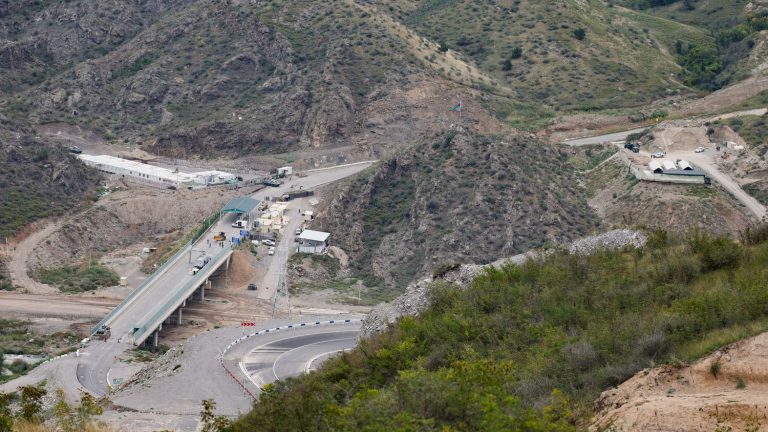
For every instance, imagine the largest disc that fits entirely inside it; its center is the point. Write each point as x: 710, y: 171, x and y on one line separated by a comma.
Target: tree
x: 6, y: 419
x: 31, y: 404
x: 212, y: 422
x: 517, y: 52
x: 506, y: 65
x: 580, y: 33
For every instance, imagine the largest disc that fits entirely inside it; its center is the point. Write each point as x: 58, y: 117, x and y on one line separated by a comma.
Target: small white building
x: 285, y: 171
x: 314, y: 242
x: 212, y: 177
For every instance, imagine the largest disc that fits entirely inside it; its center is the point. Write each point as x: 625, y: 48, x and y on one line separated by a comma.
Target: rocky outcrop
x: 416, y: 298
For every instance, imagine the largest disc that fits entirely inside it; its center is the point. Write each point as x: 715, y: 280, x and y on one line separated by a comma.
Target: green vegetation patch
x: 754, y: 130
x: 75, y: 279
x: 5, y: 278
x: 758, y: 190
x: 331, y: 264
x: 586, y: 158
x: 137, y: 66
x: 534, y: 344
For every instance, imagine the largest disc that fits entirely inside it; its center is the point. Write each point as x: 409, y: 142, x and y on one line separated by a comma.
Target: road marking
x: 277, y: 360
x: 312, y: 360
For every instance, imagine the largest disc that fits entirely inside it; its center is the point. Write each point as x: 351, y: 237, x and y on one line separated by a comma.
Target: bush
x: 571, y: 325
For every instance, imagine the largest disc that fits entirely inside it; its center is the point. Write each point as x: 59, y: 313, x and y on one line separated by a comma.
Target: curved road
x: 294, y: 354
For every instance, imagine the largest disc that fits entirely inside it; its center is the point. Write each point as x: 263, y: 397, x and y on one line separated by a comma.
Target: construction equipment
x: 221, y: 236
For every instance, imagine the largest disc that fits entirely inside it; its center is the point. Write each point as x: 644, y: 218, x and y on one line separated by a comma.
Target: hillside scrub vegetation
x: 529, y: 347
x: 79, y: 278
x: 456, y: 196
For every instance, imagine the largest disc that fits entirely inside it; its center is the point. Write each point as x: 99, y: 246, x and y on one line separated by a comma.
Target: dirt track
x: 17, y: 266
x: 29, y: 305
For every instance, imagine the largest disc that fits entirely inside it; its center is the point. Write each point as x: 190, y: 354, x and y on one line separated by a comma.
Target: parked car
x: 699, y: 150
x: 251, y: 287
x: 74, y: 149
x: 298, y: 231
x: 659, y: 154
x: 268, y: 242
x: 256, y: 242
x: 271, y: 251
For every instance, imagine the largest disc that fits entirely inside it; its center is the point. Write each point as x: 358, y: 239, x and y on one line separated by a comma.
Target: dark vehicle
x: 103, y: 332
x: 634, y: 147
x: 251, y: 287
x: 74, y: 149
x: 296, y: 194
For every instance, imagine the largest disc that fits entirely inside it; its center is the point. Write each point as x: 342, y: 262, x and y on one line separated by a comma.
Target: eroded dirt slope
x: 684, y: 398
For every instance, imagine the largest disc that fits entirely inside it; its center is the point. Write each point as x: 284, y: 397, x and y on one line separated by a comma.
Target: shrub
x: 714, y: 368
x: 740, y: 384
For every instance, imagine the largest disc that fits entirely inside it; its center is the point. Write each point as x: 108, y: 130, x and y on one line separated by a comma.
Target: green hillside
x: 529, y: 347
x: 204, y: 77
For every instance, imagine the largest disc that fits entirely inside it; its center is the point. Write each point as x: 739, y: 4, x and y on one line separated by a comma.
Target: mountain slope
x: 193, y: 77
x: 456, y: 196
x: 39, y: 179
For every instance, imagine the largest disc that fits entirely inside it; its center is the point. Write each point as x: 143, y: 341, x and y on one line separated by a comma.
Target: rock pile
x: 615, y: 239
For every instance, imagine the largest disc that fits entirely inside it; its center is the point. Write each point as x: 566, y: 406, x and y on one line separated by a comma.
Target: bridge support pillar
x: 202, y: 293
x: 155, y: 337
x: 228, y: 259
x: 178, y: 320
x: 184, y: 303
x: 160, y: 327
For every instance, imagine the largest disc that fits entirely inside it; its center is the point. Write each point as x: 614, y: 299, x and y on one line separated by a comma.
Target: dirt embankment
x: 727, y: 390
x: 124, y: 219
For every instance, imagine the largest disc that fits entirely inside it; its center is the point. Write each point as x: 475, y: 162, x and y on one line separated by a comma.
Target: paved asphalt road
x: 600, y: 139
x: 292, y: 354
x: 97, y: 359
x: 200, y: 376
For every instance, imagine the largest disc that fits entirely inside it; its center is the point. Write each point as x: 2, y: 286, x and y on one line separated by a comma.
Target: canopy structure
x: 240, y: 205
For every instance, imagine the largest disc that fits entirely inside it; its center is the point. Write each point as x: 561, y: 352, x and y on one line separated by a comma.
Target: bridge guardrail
x: 135, y: 293
x: 178, y: 298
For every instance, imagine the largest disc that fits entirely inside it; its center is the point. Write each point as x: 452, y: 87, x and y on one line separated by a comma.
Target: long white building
x: 128, y: 168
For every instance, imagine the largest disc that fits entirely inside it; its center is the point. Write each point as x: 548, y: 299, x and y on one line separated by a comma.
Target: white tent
x: 655, y: 167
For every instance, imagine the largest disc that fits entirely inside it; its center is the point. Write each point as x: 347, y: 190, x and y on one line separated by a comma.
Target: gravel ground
x: 416, y: 297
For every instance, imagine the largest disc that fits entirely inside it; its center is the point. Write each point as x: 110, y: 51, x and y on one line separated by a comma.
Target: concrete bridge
x: 162, y: 297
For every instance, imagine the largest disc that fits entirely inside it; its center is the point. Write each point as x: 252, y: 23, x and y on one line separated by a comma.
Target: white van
x: 240, y: 224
